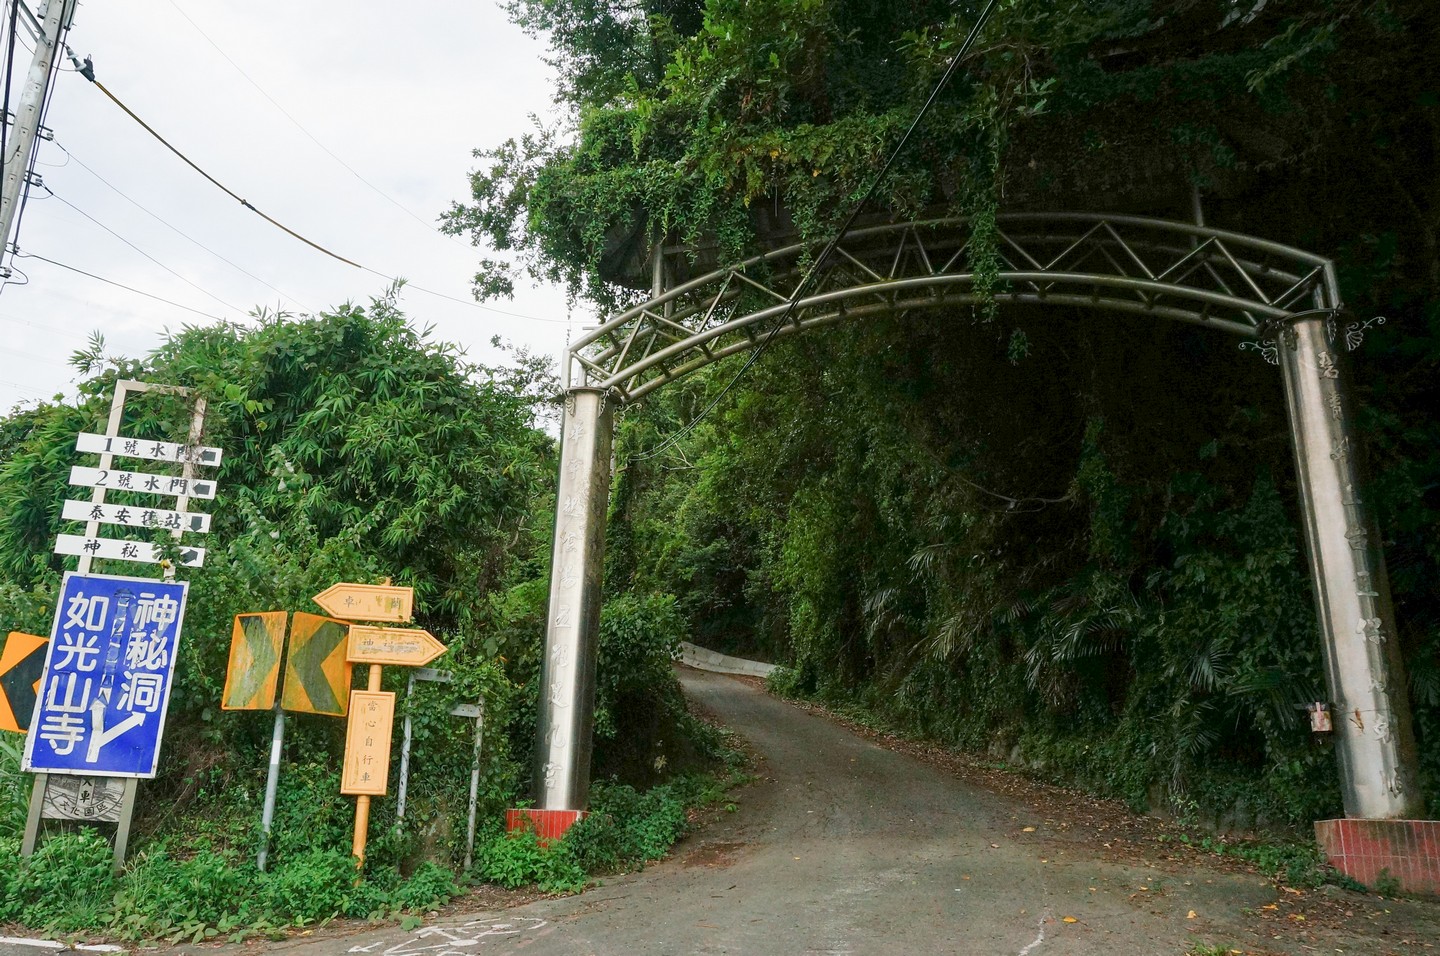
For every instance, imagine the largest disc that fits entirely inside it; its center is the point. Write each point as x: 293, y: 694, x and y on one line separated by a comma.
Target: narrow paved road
x: 845, y: 847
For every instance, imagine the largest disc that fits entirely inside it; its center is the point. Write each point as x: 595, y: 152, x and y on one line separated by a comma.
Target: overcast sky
x: 402, y: 93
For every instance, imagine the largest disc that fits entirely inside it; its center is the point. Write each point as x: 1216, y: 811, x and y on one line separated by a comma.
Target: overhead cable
x: 90, y: 75
x: 147, y: 255
x: 118, y: 285
x: 173, y: 228
x: 835, y: 240
x: 88, y: 72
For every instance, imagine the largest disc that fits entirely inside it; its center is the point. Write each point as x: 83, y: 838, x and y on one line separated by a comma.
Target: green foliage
x: 627, y: 829
x: 355, y: 449
x: 521, y: 859
x: 14, y: 786
x: 68, y: 887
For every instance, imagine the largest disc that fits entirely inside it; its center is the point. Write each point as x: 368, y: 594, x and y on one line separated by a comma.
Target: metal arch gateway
x: 1284, y: 301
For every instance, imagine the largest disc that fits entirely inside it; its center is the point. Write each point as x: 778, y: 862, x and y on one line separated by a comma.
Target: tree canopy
x: 1070, y: 539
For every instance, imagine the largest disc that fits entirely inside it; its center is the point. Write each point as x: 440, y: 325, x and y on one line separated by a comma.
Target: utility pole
x: 56, y: 15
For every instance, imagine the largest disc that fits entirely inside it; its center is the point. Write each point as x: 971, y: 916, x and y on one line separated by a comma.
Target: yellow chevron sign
x: 21, y: 665
x: 317, y: 675
x: 255, y: 644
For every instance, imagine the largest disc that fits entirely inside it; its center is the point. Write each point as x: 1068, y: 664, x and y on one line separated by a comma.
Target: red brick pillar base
x: 1407, y: 851
x: 547, y: 824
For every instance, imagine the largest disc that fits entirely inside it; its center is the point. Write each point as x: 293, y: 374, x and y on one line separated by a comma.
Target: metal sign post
x: 403, y: 789
x: 106, y: 683
x: 365, y: 772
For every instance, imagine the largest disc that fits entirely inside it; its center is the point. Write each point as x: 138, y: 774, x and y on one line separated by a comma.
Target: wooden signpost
x: 366, y: 771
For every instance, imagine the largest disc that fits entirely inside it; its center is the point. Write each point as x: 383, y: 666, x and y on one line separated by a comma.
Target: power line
x: 215, y: 182
x: 88, y: 74
x: 819, y: 263
x: 429, y: 227
x: 147, y: 255
x: 119, y: 285
x: 69, y: 156
x: 473, y: 305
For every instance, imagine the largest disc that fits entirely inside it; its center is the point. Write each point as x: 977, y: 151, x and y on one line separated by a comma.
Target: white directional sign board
x: 146, y: 449
x: 124, y: 550
x: 114, y: 480
x: 135, y: 517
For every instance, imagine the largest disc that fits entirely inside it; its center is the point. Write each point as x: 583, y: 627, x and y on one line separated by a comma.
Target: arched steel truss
x: 1284, y: 300
x: 1222, y: 280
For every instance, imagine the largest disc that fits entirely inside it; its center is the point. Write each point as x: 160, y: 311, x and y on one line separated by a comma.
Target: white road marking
x: 1039, y: 937
x: 52, y: 944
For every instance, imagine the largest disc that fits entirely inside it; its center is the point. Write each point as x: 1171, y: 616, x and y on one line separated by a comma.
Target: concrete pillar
x: 1371, y: 710
x: 572, y: 625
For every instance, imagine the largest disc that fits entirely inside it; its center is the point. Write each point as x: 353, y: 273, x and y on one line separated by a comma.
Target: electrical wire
x: 429, y: 226
x: 829, y: 249
x: 173, y: 228
x: 215, y: 182
x: 474, y: 305
x: 147, y: 255
x: 118, y: 285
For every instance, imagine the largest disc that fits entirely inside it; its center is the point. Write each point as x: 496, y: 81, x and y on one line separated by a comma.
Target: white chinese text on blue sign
x: 102, y: 700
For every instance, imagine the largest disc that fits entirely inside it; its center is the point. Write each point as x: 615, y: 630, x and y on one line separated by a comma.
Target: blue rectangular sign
x: 102, y: 701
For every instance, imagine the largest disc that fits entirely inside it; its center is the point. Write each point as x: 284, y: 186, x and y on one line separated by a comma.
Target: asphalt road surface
x: 844, y: 847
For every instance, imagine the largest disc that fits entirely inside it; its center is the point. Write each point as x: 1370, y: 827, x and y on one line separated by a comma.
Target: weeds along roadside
x: 195, y: 890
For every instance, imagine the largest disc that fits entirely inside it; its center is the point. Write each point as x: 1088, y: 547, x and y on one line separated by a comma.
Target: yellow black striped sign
x: 22, y: 663
x: 255, y: 645
x: 317, y: 675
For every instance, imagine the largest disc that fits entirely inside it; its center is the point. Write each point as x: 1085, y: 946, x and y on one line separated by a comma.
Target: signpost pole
x: 474, y: 785
x: 272, y: 780
x: 122, y: 831
x: 405, y: 754
x: 108, y: 446
x: 362, y: 802
x: 92, y: 529
x: 32, y: 821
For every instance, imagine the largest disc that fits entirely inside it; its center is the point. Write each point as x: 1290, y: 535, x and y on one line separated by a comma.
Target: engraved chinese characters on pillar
x: 1371, y: 629
x: 569, y: 577
x: 1328, y: 368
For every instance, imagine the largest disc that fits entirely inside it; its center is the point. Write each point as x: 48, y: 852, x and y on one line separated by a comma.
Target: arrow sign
x: 123, y: 549
x: 368, y: 602
x: 407, y: 647
x: 140, y: 481
x: 21, y: 665
x: 146, y: 449
x: 136, y: 517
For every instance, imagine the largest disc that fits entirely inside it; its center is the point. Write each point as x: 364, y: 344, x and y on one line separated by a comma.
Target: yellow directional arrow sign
x: 407, y: 647
x: 368, y: 602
